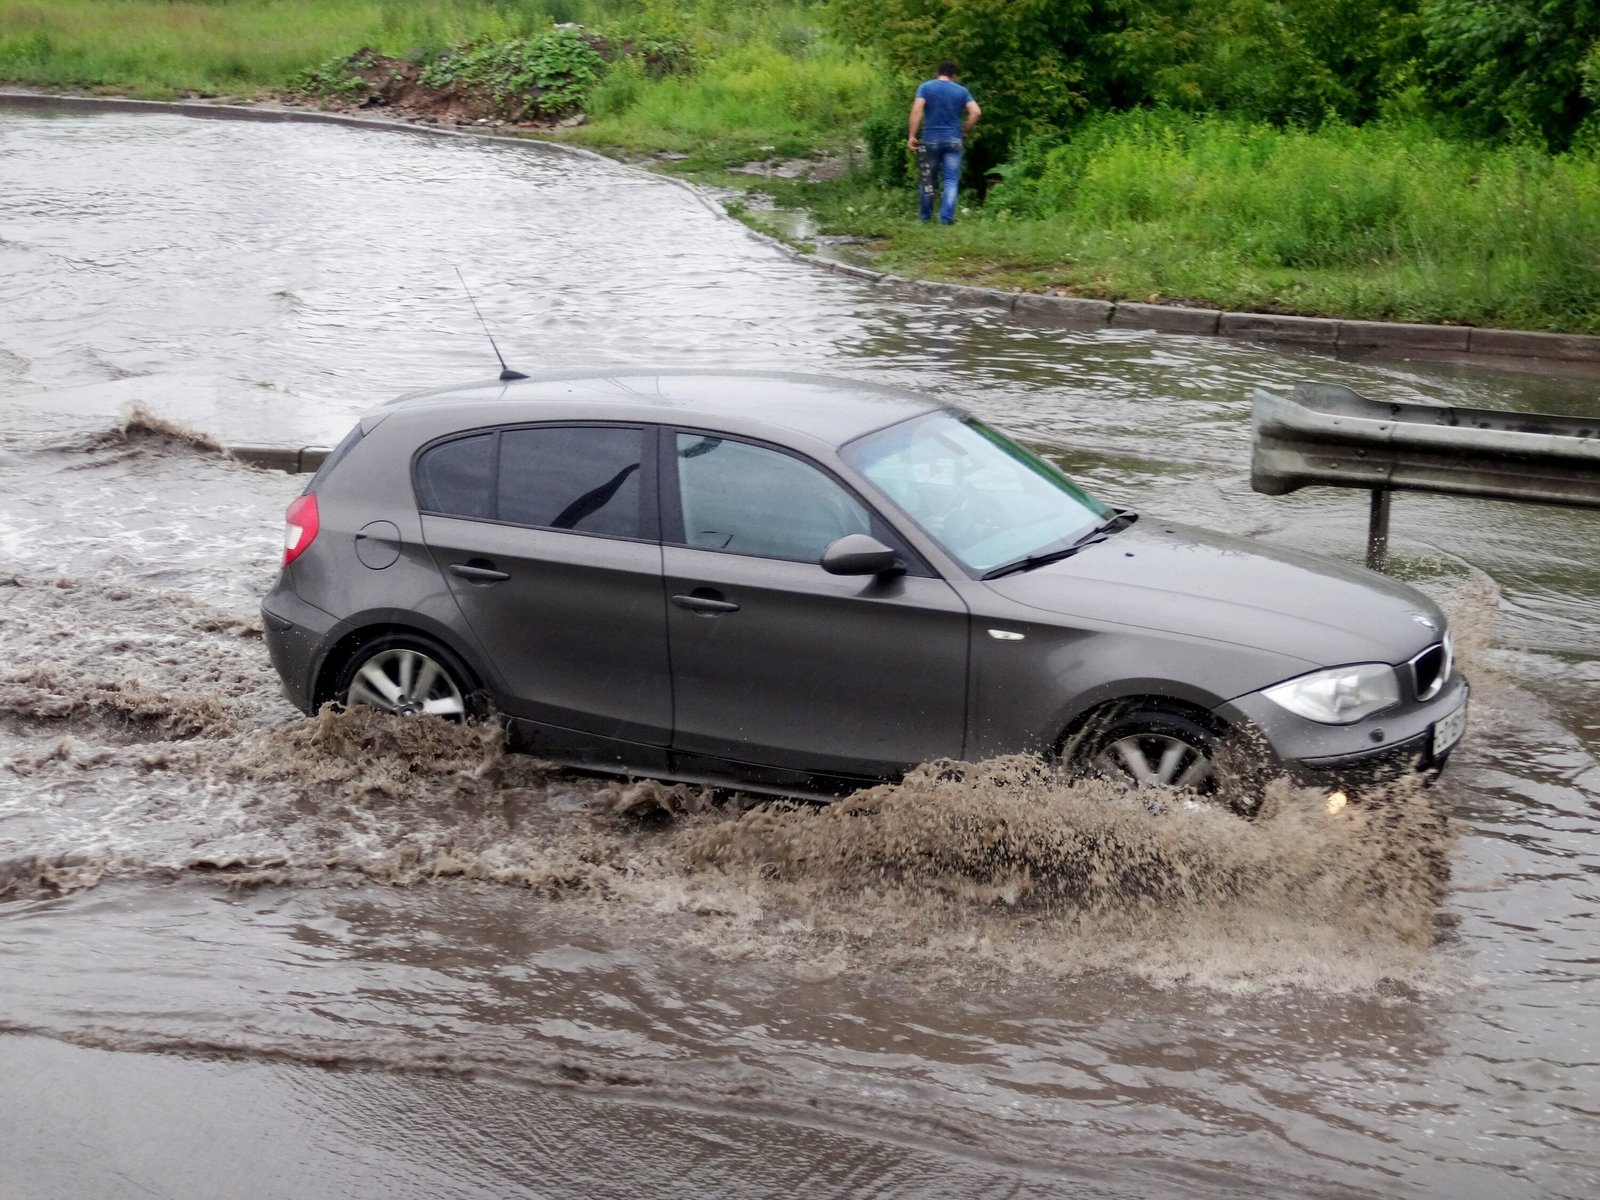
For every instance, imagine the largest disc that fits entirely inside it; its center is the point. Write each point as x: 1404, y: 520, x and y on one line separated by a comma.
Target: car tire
x: 409, y: 675
x: 1152, y: 748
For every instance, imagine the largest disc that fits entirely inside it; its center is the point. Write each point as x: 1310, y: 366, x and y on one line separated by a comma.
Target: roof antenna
x: 505, y: 371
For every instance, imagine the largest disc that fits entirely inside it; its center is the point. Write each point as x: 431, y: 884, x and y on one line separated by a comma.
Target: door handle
x: 478, y: 570
x: 708, y: 605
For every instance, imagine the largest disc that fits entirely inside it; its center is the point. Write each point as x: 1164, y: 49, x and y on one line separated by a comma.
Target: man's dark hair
x: 946, y: 67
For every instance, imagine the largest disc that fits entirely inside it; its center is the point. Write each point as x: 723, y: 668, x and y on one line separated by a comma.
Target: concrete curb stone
x: 855, y: 272
x: 1575, y: 346
x: 1166, y: 319
x: 1272, y: 327
x: 962, y: 293
x: 1393, y: 334
x: 294, y: 460
x: 1076, y: 309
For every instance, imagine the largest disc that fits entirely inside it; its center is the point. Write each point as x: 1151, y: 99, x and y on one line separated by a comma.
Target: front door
x: 546, y: 536
x: 775, y: 661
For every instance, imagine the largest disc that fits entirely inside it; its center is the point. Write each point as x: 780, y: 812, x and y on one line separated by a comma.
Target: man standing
x: 951, y: 112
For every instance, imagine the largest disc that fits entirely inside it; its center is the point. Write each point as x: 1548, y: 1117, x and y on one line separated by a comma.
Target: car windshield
x: 981, y: 496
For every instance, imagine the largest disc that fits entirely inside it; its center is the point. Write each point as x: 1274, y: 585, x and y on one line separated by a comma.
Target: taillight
x: 300, y: 526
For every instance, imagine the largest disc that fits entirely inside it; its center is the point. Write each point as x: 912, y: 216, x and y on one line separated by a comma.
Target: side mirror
x: 860, y: 554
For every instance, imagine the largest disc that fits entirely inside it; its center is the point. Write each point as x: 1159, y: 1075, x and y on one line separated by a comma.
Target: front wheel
x: 409, y: 676
x: 1150, y: 748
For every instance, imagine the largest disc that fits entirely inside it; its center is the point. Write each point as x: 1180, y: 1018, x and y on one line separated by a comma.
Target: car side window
x: 747, y: 499
x: 582, y: 478
x: 457, y: 478
x: 586, y: 479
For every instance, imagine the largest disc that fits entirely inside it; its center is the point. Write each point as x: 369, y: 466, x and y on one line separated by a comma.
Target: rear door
x: 547, y: 537
x: 775, y: 661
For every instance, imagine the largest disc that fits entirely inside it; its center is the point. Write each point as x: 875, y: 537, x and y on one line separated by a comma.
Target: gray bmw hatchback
x: 803, y: 585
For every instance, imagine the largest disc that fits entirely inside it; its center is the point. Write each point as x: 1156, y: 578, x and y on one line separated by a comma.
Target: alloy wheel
x: 406, y: 682
x: 1156, y: 759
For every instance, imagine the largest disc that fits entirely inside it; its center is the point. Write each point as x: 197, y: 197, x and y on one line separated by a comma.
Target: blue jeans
x: 945, y: 156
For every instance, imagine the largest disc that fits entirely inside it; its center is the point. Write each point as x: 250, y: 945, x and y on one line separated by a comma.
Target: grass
x: 159, y: 50
x: 752, y: 101
x: 162, y: 48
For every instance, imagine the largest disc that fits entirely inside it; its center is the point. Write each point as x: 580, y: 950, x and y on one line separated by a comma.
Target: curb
x: 1326, y: 333
x: 291, y: 460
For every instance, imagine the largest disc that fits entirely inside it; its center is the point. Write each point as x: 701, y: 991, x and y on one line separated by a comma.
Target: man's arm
x: 917, y: 106
x: 973, y: 113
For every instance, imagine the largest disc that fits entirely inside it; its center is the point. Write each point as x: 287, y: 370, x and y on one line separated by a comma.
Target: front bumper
x: 1410, y: 738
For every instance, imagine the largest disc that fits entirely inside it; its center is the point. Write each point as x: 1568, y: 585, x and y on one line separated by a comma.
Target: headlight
x: 1339, y: 696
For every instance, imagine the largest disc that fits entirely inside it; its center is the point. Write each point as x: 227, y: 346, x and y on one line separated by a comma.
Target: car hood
x: 1173, y: 578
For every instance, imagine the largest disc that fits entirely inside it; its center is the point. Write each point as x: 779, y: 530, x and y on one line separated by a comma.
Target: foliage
x: 889, y: 163
x: 1032, y: 64
x: 1516, y: 68
x: 337, y: 77
x: 557, y: 69
x: 1300, y: 63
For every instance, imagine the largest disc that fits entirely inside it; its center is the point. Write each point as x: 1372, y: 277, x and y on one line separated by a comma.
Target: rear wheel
x: 1151, y: 748
x: 408, y: 675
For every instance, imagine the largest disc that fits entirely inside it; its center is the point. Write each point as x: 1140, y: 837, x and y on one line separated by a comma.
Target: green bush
x: 889, y: 164
x: 557, y: 68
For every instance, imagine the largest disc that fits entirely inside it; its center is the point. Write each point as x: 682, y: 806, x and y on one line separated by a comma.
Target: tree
x: 1515, y: 68
x: 1034, y: 65
x: 1288, y: 63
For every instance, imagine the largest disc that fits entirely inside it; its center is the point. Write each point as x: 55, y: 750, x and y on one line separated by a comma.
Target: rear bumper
x: 295, y: 634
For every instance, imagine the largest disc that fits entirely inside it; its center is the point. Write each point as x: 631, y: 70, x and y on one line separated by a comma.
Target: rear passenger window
x: 582, y: 479
x: 457, y: 477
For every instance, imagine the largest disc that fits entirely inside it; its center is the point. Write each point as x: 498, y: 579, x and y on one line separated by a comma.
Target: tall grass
x: 753, y: 98
x: 156, y: 48
x: 1386, y: 221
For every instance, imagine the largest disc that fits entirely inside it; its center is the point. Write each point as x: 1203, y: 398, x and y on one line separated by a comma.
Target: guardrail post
x: 1378, y: 529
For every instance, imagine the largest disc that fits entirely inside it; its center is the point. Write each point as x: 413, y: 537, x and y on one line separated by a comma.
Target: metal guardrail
x: 1326, y: 434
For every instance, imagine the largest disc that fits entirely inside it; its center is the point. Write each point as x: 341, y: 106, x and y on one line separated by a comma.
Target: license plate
x: 1447, y: 732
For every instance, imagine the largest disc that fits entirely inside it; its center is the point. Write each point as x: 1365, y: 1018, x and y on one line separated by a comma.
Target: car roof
x: 827, y: 408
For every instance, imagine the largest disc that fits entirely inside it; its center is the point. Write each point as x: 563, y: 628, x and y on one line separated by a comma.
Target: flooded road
x: 248, y: 954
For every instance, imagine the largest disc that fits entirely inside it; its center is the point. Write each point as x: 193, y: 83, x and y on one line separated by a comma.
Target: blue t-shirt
x: 945, y: 106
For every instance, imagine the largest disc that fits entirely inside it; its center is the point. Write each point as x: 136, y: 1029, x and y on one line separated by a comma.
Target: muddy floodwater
x: 248, y: 954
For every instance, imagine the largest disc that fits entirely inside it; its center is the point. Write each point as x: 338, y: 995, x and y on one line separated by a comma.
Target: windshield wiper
x: 1120, y: 518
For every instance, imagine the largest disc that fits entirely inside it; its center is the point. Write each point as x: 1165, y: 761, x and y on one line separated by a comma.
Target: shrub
x: 556, y: 68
